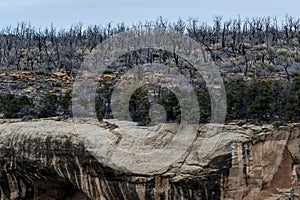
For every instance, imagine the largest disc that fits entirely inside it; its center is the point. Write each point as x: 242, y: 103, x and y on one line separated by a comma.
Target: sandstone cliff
x: 49, y: 160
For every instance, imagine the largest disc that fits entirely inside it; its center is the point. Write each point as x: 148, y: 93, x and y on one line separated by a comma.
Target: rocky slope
x: 49, y: 160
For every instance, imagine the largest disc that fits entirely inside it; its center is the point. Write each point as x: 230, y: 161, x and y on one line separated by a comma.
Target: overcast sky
x: 64, y: 13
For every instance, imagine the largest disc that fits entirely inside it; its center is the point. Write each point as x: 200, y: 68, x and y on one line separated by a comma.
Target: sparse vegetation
x: 258, y: 58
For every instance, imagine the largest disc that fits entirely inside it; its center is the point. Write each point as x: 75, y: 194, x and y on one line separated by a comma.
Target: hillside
x: 258, y: 58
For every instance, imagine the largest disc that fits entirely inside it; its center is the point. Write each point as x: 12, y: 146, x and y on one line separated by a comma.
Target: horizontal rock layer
x: 50, y: 160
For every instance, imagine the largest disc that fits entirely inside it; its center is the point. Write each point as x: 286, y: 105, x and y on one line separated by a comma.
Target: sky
x: 65, y: 13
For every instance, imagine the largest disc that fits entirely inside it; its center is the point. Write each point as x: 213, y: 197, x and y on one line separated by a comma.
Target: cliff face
x: 48, y: 160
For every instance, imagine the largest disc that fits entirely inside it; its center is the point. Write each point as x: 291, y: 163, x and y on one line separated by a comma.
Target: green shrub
x: 40, y: 71
x: 66, y: 101
x: 11, y: 105
x: 50, y: 106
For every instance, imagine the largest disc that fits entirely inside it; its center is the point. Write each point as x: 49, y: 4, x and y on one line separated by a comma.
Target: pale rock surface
x: 49, y: 159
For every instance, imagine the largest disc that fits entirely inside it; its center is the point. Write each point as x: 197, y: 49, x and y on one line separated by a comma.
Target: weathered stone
x: 49, y: 160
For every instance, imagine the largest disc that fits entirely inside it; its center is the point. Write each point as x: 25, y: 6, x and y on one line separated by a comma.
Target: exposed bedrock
x: 49, y: 160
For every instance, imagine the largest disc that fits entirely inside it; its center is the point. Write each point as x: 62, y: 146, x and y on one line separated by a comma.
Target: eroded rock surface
x: 49, y: 160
